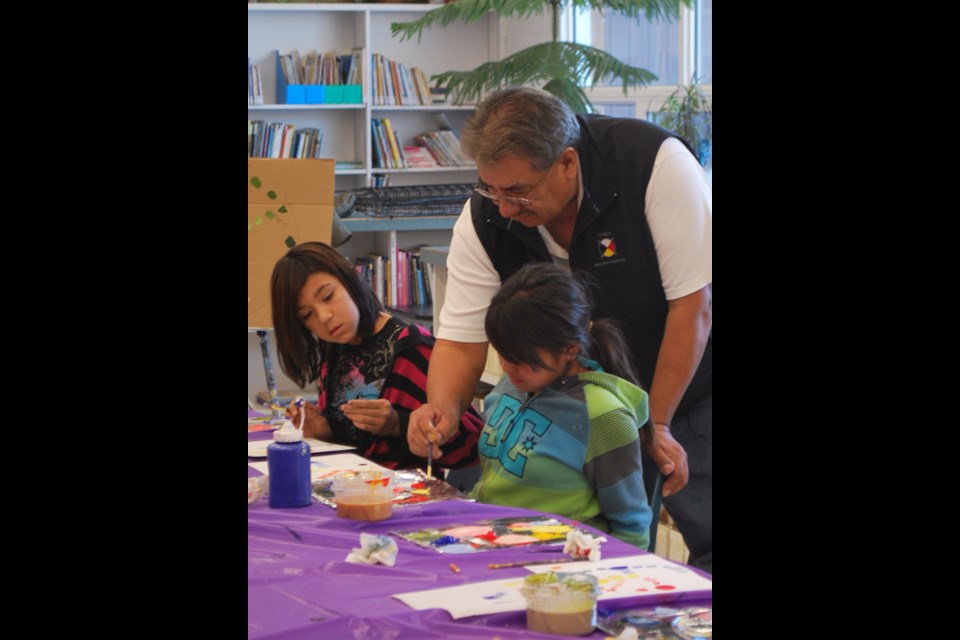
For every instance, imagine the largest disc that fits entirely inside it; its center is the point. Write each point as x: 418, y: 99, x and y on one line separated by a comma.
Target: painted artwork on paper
x: 634, y: 579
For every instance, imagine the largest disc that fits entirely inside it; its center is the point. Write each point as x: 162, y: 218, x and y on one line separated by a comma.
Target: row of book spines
x: 254, y: 84
x: 279, y: 140
x: 396, y: 83
x: 432, y: 148
x: 387, y: 151
x: 444, y: 146
x: 412, y: 278
x: 328, y: 68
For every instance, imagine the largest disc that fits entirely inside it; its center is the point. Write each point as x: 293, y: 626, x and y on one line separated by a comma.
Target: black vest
x: 611, y: 240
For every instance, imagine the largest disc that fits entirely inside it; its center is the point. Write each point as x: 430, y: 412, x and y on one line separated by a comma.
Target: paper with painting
x: 640, y: 577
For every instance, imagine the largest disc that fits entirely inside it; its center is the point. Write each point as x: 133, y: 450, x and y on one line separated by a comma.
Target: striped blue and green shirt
x: 572, y: 450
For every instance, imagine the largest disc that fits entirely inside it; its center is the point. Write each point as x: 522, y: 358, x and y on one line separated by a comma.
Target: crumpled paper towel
x: 256, y: 487
x: 374, y: 550
x: 583, y: 545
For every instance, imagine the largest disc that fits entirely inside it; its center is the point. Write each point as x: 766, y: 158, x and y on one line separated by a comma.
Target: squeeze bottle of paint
x: 288, y: 467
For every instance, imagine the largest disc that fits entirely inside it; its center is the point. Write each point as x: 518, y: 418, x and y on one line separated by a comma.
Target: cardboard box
x: 288, y: 202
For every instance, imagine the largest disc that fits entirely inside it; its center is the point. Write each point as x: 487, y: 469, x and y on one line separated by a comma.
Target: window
x: 705, y: 40
x: 674, y: 51
x: 654, y: 46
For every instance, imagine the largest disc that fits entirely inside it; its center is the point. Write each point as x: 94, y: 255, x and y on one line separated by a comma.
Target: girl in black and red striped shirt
x: 370, y: 367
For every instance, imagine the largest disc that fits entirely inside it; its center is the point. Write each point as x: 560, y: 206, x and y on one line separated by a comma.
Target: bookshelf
x: 437, y: 256
x: 347, y: 127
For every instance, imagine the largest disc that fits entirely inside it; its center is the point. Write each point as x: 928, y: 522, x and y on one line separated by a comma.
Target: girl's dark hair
x: 301, y: 353
x: 543, y: 306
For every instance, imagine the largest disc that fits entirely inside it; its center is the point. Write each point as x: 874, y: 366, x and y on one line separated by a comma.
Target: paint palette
x: 410, y: 486
x: 660, y: 623
x: 490, y: 534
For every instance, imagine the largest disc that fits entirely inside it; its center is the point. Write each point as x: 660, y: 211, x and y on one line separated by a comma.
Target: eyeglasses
x: 521, y: 201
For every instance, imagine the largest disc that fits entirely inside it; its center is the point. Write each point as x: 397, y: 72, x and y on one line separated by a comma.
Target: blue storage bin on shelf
x: 333, y: 94
x: 316, y: 93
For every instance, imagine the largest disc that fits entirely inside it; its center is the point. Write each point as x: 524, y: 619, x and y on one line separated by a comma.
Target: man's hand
x: 429, y: 424
x: 669, y: 457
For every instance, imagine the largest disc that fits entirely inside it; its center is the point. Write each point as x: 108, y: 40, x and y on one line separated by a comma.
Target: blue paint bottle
x: 288, y: 468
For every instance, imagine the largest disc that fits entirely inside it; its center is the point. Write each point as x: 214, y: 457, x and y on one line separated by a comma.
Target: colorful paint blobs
x: 255, y: 181
x: 283, y: 208
x: 469, y: 532
x: 550, y: 532
x: 290, y: 242
x: 513, y: 540
x: 259, y: 220
x: 272, y: 195
x: 492, y: 534
x: 410, y: 486
x: 270, y: 214
x: 458, y: 548
x: 249, y: 226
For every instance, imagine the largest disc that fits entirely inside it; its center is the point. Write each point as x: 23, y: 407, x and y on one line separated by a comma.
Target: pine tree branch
x: 468, y: 11
x: 561, y: 67
x: 472, y: 10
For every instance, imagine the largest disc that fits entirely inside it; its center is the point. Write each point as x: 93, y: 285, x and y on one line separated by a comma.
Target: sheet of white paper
x: 629, y: 577
x: 637, y: 576
x: 474, y: 599
x: 258, y: 448
x: 321, y: 466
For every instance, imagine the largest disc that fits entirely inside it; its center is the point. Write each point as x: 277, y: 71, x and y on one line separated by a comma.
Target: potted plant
x: 562, y: 68
x: 688, y: 113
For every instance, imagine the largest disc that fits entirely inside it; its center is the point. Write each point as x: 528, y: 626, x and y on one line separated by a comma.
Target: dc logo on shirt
x: 606, y: 246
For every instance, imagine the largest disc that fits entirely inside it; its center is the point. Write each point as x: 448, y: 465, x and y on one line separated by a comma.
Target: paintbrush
x: 524, y: 563
x: 430, y: 452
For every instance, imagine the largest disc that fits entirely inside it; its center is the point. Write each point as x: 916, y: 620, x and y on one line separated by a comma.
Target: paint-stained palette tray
x: 410, y: 486
x: 491, y: 534
x: 691, y: 622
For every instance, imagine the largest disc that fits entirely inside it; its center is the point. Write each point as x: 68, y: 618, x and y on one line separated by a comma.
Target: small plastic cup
x: 364, y: 495
x: 561, y: 603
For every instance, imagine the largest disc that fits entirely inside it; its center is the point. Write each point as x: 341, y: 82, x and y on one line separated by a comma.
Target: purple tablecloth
x: 300, y: 586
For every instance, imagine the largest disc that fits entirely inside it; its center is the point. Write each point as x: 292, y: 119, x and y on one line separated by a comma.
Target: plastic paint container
x: 288, y: 469
x: 561, y: 603
x: 364, y: 495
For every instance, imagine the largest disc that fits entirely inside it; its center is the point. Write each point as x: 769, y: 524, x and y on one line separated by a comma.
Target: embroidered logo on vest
x: 607, y: 248
x: 606, y: 245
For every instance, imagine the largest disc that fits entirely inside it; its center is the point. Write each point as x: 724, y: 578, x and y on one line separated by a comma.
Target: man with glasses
x: 626, y: 202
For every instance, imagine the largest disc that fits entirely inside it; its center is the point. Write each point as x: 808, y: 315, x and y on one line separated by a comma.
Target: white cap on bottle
x: 287, y: 433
